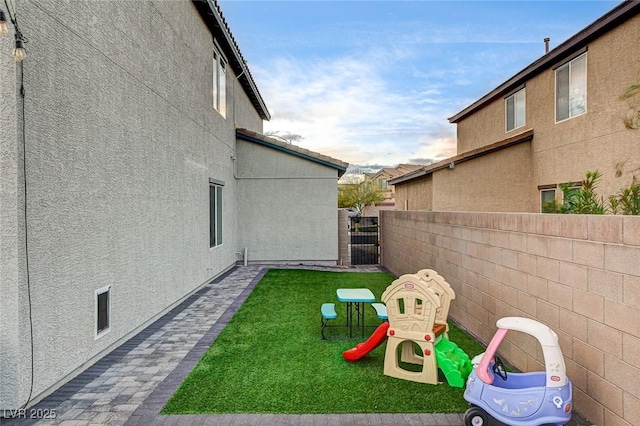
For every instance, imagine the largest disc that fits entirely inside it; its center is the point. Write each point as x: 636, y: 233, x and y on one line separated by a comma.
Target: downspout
x: 245, y: 251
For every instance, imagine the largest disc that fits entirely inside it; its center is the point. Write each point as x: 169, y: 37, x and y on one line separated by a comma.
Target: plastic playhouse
x: 417, y: 310
x: 519, y: 399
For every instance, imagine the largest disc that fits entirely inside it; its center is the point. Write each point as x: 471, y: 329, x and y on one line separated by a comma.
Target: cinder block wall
x: 579, y: 274
x: 344, y: 256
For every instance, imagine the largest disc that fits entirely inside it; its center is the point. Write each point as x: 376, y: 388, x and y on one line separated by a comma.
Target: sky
x: 372, y: 83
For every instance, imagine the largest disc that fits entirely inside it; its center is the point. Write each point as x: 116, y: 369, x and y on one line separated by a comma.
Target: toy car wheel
x: 476, y: 416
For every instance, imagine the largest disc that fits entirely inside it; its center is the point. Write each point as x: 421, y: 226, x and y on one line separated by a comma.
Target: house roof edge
x: 465, y: 156
x: 615, y: 17
x: 212, y: 15
x: 270, y: 142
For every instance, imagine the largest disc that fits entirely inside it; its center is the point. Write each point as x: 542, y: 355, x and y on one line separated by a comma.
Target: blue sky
x: 372, y: 83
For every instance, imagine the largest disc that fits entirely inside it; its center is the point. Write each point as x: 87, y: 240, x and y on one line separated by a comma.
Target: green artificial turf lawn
x: 270, y: 358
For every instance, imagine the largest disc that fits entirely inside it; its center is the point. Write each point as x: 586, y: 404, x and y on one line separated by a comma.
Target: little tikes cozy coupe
x: 519, y: 399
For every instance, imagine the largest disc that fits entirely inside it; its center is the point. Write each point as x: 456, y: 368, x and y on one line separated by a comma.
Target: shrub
x: 584, y: 200
x: 627, y: 200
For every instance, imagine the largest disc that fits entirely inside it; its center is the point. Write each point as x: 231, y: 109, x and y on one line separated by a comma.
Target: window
x: 570, y: 191
x: 515, y: 110
x: 103, y: 311
x: 571, y: 88
x: 383, y: 184
x: 215, y: 212
x: 547, y: 200
x: 219, y: 83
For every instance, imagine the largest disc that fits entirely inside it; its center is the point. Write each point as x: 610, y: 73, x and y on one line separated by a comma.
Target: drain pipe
x: 244, y: 256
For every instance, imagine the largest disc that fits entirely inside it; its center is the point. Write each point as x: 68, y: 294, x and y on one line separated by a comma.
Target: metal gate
x: 364, y: 238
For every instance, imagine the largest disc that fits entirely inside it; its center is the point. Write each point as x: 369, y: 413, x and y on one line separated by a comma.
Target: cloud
x: 422, y: 161
x: 346, y: 108
x: 292, y: 138
x: 381, y: 94
x: 373, y: 83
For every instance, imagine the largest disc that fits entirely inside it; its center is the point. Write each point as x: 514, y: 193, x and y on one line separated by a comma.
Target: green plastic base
x: 454, y: 362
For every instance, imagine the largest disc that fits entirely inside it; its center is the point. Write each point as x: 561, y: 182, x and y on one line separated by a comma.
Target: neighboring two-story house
x: 381, y: 180
x: 384, y: 175
x: 133, y: 171
x: 569, y: 112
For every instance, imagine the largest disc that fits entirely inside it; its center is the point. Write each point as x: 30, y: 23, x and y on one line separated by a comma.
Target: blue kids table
x: 355, y: 298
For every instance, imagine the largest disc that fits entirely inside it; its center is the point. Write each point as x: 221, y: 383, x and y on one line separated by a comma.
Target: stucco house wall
x: 416, y: 194
x: 283, y: 215
x: 564, y: 151
x: 560, y: 152
x: 12, y: 323
x: 494, y: 182
x: 491, y: 178
x: 121, y: 141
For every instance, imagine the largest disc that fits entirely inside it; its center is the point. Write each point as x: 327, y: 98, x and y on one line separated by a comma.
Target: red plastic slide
x: 361, y: 349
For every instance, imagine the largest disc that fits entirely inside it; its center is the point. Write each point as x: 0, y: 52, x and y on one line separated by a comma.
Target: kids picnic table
x: 355, y: 299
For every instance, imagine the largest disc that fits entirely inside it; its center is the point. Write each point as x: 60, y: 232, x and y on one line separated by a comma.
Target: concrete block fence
x: 579, y: 274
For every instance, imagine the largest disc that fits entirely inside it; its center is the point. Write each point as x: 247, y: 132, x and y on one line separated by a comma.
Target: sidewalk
x: 130, y: 385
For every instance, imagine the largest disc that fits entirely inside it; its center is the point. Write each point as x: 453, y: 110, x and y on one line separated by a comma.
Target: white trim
x: 546, y: 190
x: 219, y: 80
x: 515, y: 109
x: 576, y: 187
x: 217, y: 47
x: 102, y: 290
x: 218, y: 225
x: 555, y: 88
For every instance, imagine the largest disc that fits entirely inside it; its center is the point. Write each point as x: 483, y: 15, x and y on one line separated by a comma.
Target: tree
x: 359, y: 195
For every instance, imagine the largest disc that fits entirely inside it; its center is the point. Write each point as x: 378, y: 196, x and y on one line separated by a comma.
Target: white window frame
x: 520, y: 95
x: 569, y: 65
x: 545, y: 190
x: 98, y: 292
x: 216, y: 204
x: 219, y: 80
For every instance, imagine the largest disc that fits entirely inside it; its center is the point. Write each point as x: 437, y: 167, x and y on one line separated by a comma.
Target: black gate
x: 364, y: 239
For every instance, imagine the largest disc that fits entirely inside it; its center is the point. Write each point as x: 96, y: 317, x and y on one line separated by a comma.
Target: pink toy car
x: 519, y: 399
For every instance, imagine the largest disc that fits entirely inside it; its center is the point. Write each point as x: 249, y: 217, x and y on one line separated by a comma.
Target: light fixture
x: 4, y: 30
x: 19, y: 52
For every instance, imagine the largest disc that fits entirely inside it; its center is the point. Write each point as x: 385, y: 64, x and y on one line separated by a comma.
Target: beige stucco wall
x: 121, y: 141
x: 579, y: 274
x: 494, y: 182
x: 563, y: 152
x: 416, y: 194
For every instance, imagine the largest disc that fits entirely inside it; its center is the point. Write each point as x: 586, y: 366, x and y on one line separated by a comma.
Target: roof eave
x: 616, y: 16
x: 263, y: 140
x: 409, y: 176
x: 465, y: 156
x: 212, y: 16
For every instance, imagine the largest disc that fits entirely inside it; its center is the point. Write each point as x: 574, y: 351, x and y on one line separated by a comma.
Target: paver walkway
x: 130, y: 385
